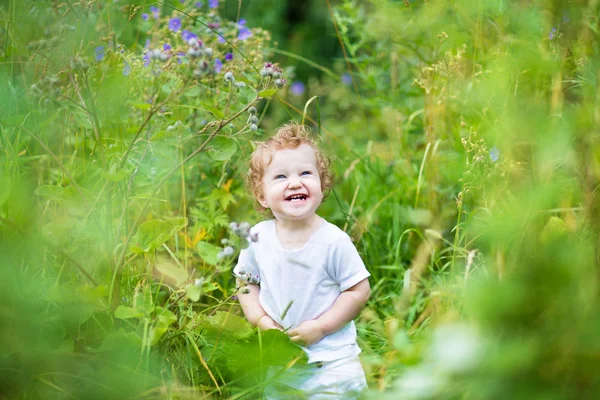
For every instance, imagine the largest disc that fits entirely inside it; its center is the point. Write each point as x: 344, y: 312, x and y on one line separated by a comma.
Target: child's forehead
x: 304, y: 149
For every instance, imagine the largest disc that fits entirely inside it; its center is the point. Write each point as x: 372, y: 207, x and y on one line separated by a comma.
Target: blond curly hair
x: 289, y: 136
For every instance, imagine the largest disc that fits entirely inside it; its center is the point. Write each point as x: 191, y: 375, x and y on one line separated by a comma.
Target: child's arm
x: 254, y: 312
x: 345, y: 309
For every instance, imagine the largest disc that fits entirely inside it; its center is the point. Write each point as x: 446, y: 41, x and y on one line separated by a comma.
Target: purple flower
x: 347, y: 79
x: 213, y: 3
x: 198, y: 4
x: 126, y: 68
x: 228, y: 56
x: 244, y: 34
x: 166, y: 47
x: 494, y: 154
x: 145, y: 16
x: 297, y: 88
x: 174, y: 24
x: 187, y: 35
x: 99, y: 53
x: 218, y: 65
x: 155, y: 12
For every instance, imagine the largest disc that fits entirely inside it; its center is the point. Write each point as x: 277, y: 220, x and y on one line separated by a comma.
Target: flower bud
x: 229, y: 77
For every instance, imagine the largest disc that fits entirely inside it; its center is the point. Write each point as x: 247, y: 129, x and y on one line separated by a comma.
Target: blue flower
x: 494, y: 154
x: 126, y: 68
x: 145, y: 16
x: 166, y: 47
x: 297, y: 88
x: 174, y: 24
x: 198, y: 4
x: 347, y: 79
x: 187, y: 35
x: 155, y: 12
x: 99, y: 53
x: 228, y: 56
x: 244, y: 34
x: 213, y: 3
x: 218, y: 65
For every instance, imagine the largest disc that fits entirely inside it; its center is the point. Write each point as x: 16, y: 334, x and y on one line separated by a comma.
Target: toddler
x: 307, y: 277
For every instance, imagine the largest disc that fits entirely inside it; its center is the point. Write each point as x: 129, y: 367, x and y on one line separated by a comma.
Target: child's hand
x: 266, y: 323
x: 307, y: 333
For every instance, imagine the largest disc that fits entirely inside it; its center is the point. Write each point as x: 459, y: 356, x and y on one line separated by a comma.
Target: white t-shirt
x: 311, y: 277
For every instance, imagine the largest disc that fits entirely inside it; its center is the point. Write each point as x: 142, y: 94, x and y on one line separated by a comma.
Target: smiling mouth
x: 296, y: 197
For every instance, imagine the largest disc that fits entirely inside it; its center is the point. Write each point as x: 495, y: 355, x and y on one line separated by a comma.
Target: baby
x: 307, y: 277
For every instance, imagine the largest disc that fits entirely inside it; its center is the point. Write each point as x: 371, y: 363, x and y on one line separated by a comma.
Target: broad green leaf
x: 208, y: 252
x: 120, y: 340
x: 124, y: 312
x: 193, y: 292
x: 142, y: 302
x: 222, y: 148
x: 224, y: 324
x: 267, y: 93
x: 194, y: 91
x: 151, y: 234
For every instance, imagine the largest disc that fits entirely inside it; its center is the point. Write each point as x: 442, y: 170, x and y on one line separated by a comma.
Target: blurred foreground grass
x: 466, y: 145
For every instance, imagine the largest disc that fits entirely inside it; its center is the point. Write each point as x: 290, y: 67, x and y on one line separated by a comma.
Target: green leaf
x: 193, y: 292
x: 152, y: 234
x: 194, y: 91
x: 124, y: 312
x: 208, y: 252
x: 222, y: 148
x: 265, y: 94
x: 226, y: 325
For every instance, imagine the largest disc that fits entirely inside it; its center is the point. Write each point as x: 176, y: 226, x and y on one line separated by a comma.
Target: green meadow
x: 465, y: 140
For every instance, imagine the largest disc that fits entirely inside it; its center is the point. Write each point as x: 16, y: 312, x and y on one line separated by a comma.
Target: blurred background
x: 463, y: 135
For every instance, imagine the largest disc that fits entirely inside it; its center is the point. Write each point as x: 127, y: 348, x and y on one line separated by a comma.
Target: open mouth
x: 296, y: 197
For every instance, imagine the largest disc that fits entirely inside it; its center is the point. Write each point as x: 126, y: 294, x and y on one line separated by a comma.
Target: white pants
x: 343, y: 378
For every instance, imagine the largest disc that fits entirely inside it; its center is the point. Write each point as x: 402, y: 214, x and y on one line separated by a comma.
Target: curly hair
x: 289, y: 136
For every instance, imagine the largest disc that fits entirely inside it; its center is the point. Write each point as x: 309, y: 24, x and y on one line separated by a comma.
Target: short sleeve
x: 247, y: 265
x: 345, y: 265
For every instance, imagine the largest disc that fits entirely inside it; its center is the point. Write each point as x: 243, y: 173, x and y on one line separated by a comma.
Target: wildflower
x: 213, y: 3
x: 229, y: 77
x: 187, y: 36
x: 297, y: 88
x: 280, y: 83
x: 218, y: 65
x: 244, y: 34
x: 175, y: 24
x: 145, y: 16
x: 99, y: 53
x: 228, y: 57
x: 155, y: 12
x: 347, y: 79
x: 252, y: 110
x: 494, y: 154
x: 166, y: 47
x: 126, y: 68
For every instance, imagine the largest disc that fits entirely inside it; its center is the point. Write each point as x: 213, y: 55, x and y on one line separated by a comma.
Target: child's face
x: 291, y: 184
